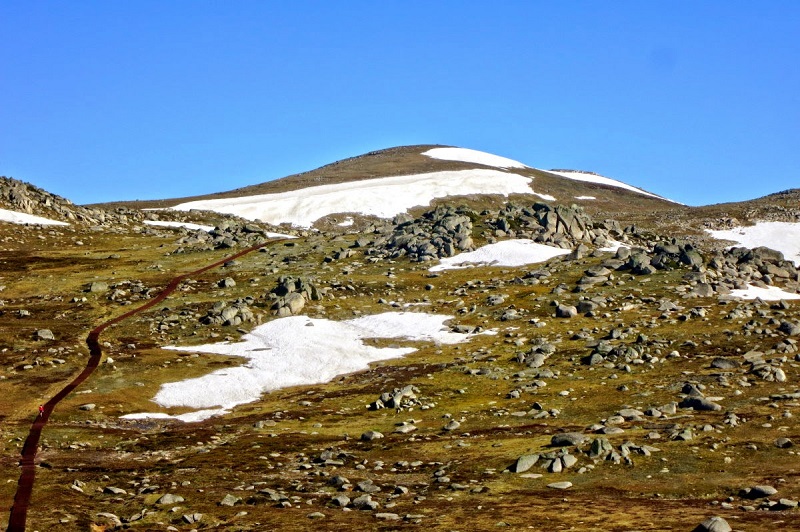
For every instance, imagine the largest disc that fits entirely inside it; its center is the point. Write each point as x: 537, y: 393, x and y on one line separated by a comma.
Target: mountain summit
x: 387, y: 182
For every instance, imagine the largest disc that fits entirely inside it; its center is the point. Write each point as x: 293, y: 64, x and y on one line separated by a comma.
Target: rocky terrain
x: 622, y: 385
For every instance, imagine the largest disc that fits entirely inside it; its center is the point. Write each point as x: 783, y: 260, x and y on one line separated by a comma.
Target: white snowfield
x: 780, y: 236
x: 466, y: 155
x: 294, y: 351
x: 516, y: 252
x: 186, y: 225
x: 15, y: 217
x: 772, y: 293
x: 383, y: 197
x: 600, y: 180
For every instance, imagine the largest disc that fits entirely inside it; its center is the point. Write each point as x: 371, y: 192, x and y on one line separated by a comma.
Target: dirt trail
x: 19, y: 510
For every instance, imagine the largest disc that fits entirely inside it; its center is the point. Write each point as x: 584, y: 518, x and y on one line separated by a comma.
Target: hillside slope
x: 493, y: 359
x: 398, y: 161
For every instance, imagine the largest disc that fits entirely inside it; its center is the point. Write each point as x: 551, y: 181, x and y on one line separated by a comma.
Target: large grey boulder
x: 525, y: 462
x: 567, y: 439
x: 700, y: 404
x: 713, y: 524
x: 566, y: 311
x: 790, y: 328
x: 291, y: 305
x: 758, y: 492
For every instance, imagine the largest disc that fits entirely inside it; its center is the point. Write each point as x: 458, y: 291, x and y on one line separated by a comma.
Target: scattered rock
x: 169, y: 498
x: 230, y: 500
x: 371, y: 435
x: 567, y: 439
x: 45, y: 334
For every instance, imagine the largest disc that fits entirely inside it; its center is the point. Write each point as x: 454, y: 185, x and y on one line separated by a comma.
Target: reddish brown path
x: 19, y: 510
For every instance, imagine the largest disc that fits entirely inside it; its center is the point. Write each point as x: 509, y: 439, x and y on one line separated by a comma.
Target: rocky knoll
x: 23, y: 197
x: 447, y: 230
x: 441, y: 232
x: 230, y: 233
x: 559, y: 225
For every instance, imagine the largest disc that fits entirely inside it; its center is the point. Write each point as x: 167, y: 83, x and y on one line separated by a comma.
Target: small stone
x: 371, y: 435
x: 340, y: 500
x: 367, y: 486
x: 453, y: 425
x: 169, y: 498
x: 45, y: 334
x: 192, y: 518
x: 364, y: 502
x: 227, y: 282
x: 787, y: 504
x: 111, y: 517
x: 560, y: 485
x: 98, y: 286
x: 230, y: 500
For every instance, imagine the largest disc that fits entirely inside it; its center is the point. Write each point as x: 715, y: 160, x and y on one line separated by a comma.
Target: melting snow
x: 613, y: 246
x: 383, y: 197
x: 22, y: 218
x: 186, y: 225
x: 505, y: 253
x: 346, y: 223
x: 585, y: 197
x: 294, y: 351
x: 772, y: 293
x: 472, y: 156
x: 780, y: 236
x: 600, y: 180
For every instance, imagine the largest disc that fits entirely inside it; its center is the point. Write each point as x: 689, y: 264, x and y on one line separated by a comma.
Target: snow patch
x: 346, y: 223
x: 780, y: 236
x: 600, y: 180
x: 187, y: 225
x: 22, y: 218
x: 585, y: 197
x: 383, y: 197
x: 466, y: 155
x: 293, y: 351
x: 613, y: 246
x: 772, y: 293
x: 546, y: 197
x: 505, y: 253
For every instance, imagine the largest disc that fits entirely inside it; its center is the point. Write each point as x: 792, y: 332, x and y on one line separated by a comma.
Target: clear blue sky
x: 696, y: 101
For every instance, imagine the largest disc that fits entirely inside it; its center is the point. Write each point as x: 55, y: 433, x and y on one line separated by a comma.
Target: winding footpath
x: 19, y: 510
